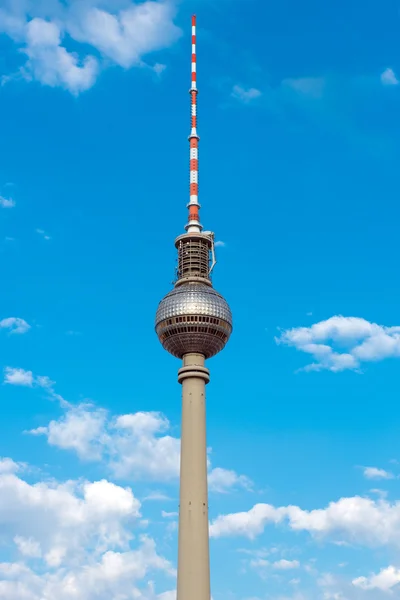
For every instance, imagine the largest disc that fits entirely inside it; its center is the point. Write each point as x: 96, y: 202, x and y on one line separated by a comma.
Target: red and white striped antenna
x: 194, y: 206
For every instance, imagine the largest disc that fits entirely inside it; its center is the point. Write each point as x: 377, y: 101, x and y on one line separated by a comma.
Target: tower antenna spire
x: 193, y: 224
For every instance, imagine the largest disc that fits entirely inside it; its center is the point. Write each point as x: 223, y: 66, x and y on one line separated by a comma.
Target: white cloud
x: 248, y: 524
x: 44, y: 381
x: 114, y: 575
x: 223, y: 480
x: 128, y: 35
x: 285, y: 565
x: 343, y: 343
x: 139, y: 448
x: 50, y: 63
x: 15, y: 376
x: 330, y: 585
x: 63, y: 520
x: 18, y: 377
x: 386, y: 580
x: 374, y: 473
x: 28, y: 547
x: 388, y: 77
x: 378, y: 492
x: 6, y: 202
x: 81, y: 430
x: 264, y: 566
x: 259, y: 563
x: 220, y: 244
x: 156, y: 497
x: 170, y: 595
x: 259, y: 552
x: 103, y: 32
x: 134, y: 446
x: 261, y: 566
x: 15, y: 325
x: 355, y: 519
x: 7, y: 465
x: 245, y: 95
x: 169, y: 515
x: 78, y: 537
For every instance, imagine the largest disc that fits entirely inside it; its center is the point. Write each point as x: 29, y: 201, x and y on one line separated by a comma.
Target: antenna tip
x: 194, y: 20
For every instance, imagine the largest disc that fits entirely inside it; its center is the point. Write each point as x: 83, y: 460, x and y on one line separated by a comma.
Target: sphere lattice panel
x: 193, y: 317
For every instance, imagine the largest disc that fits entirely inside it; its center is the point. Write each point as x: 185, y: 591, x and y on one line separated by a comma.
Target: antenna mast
x: 194, y: 225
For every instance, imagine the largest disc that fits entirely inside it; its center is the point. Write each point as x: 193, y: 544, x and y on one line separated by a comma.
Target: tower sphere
x: 193, y: 317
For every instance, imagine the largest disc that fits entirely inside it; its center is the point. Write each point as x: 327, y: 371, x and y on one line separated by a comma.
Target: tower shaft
x: 193, y: 542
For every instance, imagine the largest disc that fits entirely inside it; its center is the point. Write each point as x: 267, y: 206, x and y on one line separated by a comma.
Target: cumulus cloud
x: 103, y: 32
x: 7, y: 465
x: 28, y: 547
x: 285, y: 565
x: 374, y: 473
x: 61, y: 520
x: 267, y: 569
x: 223, y: 480
x: 385, y: 580
x: 81, y: 535
x: 17, y: 376
x: 6, y: 202
x: 245, y: 95
x: 14, y: 376
x: 115, y: 575
x: 80, y: 429
x: 156, y: 497
x: 134, y: 446
x: 355, y: 519
x: 142, y: 447
x: 170, y: 595
x: 248, y: 524
x: 126, y: 36
x: 378, y: 492
x: 259, y: 563
x: 15, y: 325
x: 73, y: 539
x: 343, y: 343
x: 50, y: 63
x: 388, y: 77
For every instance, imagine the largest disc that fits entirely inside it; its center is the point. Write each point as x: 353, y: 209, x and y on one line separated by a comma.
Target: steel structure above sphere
x: 193, y: 317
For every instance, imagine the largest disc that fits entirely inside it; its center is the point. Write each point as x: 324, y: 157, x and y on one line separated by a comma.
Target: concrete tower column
x: 193, y: 542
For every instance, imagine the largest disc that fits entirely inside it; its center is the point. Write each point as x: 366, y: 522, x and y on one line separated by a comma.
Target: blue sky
x: 299, y: 126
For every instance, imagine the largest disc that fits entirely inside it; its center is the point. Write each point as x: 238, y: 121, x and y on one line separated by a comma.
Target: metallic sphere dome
x: 193, y: 317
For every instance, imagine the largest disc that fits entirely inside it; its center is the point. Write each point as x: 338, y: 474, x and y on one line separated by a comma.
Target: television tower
x: 193, y: 322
